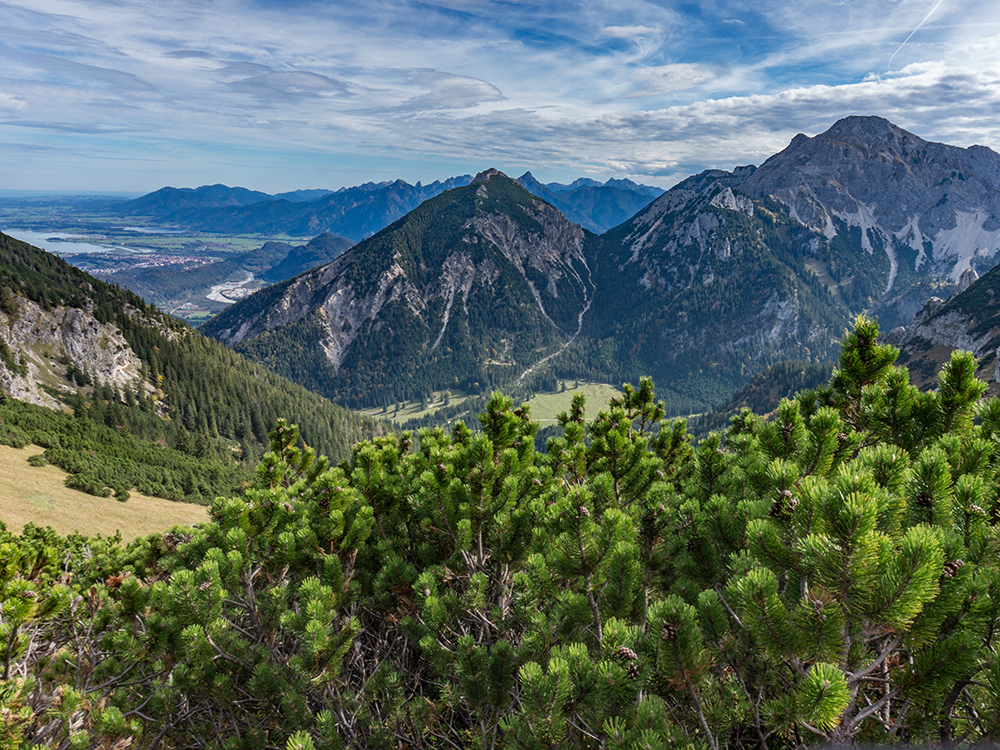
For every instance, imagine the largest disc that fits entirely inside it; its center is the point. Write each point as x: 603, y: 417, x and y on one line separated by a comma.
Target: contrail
x: 889, y: 66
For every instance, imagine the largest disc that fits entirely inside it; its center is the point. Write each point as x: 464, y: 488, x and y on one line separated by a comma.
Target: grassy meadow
x: 545, y: 407
x: 38, y: 495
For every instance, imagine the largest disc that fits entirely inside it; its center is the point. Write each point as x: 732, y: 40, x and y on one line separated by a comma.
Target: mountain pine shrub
x: 825, y: 575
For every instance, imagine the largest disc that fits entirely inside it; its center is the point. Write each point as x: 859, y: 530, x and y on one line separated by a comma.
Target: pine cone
x: 584, y: 511
x: 624, y: 652
x: 633, y: 670
x: 691, y: 545
x: 977, y: 510
x: 951, y: 568
x: 923, y: 499
x: 669, y: 632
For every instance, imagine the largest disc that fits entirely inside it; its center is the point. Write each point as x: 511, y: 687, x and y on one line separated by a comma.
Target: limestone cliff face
x: 903, y: 193
x: 46, y: 341
x: 969, y: 320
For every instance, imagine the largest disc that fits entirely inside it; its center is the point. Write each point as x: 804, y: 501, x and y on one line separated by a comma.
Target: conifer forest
x: 829, y: 575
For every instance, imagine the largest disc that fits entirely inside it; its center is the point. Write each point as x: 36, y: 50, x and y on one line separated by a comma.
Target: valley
x: 445, y: 407
x: 95, y: 243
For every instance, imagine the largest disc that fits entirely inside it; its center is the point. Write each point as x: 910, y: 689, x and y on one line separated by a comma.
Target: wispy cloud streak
x: 283, y: 94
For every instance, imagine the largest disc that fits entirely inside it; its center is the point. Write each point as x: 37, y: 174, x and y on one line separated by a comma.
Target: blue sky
x: 274, y: 95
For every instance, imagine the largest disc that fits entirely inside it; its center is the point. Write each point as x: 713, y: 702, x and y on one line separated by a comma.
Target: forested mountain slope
x: 468, y: 290
x: 62, y: 330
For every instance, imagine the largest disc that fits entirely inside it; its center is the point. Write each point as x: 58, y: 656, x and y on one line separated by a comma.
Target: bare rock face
x: 969, y: 320
x: 968, y: 276
x: 898, y: 189
x: 42, y: 341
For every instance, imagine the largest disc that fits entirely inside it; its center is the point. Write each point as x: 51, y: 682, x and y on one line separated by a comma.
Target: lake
x: 55, y: 242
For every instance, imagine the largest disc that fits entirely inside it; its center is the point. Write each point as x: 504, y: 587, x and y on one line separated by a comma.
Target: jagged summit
x: 487, y: 174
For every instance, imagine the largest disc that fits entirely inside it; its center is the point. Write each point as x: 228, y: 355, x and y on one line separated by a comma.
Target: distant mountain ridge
x: 361, y: 211
x: 594, y: 206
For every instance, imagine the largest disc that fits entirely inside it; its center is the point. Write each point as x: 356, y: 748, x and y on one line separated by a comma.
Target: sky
x: 277, y: 95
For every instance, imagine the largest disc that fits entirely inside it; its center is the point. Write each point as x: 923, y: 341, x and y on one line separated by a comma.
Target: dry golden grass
x: 38, y: 495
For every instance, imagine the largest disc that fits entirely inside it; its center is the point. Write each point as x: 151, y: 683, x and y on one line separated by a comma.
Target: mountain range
x: 358, y: 212
x: 719, y: 277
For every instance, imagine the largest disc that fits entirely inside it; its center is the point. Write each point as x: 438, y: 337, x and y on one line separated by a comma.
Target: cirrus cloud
x: 277, y: 95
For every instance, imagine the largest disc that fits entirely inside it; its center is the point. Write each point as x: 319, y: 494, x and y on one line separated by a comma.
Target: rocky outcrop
x: 43, y: 344
x: 969, y: 320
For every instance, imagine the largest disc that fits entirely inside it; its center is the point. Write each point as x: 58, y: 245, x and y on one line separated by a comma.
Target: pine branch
x: 872, y: 708
x: 698, y: 709
x: 736, y: 617
x: 857, y: 677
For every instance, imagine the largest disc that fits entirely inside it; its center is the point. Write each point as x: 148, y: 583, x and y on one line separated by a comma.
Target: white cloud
x: 599, y: 87
x: 446, y: 91
x: 627, y: 32
x: 11, y: 103
x: 666, y: 79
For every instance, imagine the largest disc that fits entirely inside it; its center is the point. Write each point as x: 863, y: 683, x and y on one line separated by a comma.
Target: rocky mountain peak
x: 486, y: 175
x: 869, y: 127
x: 905, y: 194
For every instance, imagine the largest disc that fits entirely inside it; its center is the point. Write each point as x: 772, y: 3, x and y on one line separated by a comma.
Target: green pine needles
x: 827, y: 575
